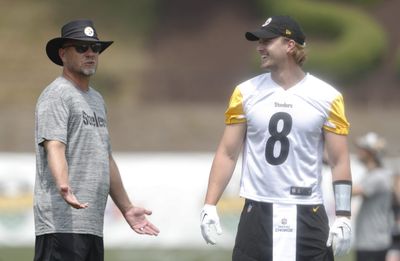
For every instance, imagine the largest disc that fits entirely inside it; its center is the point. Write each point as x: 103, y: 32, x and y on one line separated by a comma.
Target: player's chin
x: 89, y: 71
x: 265, y: 64
x: 265, y: 67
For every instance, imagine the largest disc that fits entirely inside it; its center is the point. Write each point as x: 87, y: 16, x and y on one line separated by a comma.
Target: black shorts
x: 255, y: 236
x: 69, y: 247
x: 379, y: 255
x: 395, y: 242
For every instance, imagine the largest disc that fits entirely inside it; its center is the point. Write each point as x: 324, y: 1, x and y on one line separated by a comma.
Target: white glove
x: 209, y: 218
x: 340, y: 236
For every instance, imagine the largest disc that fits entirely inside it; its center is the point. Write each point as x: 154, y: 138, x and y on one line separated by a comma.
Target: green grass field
x: 24, y: 254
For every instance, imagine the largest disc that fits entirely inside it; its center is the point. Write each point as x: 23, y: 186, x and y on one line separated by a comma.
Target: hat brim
x: 361, y: 145
x: 260, y: 34
x: 55, y: 44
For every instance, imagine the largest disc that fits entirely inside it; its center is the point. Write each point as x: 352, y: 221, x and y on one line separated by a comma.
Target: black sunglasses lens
x: 96, y: 47
x: 81, y: 48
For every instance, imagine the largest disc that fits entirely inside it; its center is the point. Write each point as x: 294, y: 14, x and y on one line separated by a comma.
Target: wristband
x: 342, y: 191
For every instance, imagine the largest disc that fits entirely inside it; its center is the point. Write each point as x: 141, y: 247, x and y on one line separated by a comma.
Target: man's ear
x: 61, y: 53
x: 291, y: 46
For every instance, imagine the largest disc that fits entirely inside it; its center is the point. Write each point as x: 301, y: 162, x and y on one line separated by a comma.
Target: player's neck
x: 288, y: 78
x: 82, y: 83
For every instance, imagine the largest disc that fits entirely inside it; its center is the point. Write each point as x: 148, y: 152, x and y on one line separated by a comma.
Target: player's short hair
x: 299, y: 54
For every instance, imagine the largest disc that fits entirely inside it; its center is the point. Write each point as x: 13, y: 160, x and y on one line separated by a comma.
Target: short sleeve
x: 52, y: 116
x: 235, y: 113
x: 376, y: 183
x: 337, y: 121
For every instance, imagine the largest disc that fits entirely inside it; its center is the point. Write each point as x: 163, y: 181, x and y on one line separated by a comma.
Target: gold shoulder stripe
x: 234, y: 113
x: 337, y: 121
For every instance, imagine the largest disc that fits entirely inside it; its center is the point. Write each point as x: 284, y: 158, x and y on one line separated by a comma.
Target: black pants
x: 69, y: 247
x: 254, y: 239
x: 379, y: 255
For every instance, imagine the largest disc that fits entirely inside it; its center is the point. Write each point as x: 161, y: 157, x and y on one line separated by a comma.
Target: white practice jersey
x: 283, y: 149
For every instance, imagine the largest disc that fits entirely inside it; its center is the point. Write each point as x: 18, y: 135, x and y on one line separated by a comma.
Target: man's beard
x: 88, y: 72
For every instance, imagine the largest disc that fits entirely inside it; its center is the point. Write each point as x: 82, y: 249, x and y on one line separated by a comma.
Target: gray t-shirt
x: 375, y: 218
x: 78, y: 119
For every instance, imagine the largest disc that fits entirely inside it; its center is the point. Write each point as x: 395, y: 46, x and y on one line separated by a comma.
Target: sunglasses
x: 83, y: 48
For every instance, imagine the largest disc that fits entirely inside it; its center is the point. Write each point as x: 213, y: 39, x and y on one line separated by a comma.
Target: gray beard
x: 88, y: 72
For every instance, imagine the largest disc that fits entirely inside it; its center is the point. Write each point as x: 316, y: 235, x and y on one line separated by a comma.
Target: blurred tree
x: 123, y: 16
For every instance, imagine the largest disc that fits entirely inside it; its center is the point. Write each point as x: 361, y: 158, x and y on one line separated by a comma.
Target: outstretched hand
x: 136, y: 218
x: 70, y: 198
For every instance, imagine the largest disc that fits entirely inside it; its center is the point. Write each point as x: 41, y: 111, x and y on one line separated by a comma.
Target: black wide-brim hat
x: 80, y: 30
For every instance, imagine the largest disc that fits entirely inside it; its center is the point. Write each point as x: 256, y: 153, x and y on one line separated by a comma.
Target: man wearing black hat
x: 282, y: 120
x: 75, y: 168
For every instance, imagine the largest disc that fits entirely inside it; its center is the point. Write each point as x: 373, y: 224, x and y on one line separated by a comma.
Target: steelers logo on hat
x: 89, y: 31
x: 267, y: 22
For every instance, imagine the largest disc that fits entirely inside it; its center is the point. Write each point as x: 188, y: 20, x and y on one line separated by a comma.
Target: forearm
x: 342, y: 186
x: 57, y: 162
x: 339, y: 161
x: 341, y: 169
x: 224, y: 162
x: 117, y: 190
x: 221, y: 172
